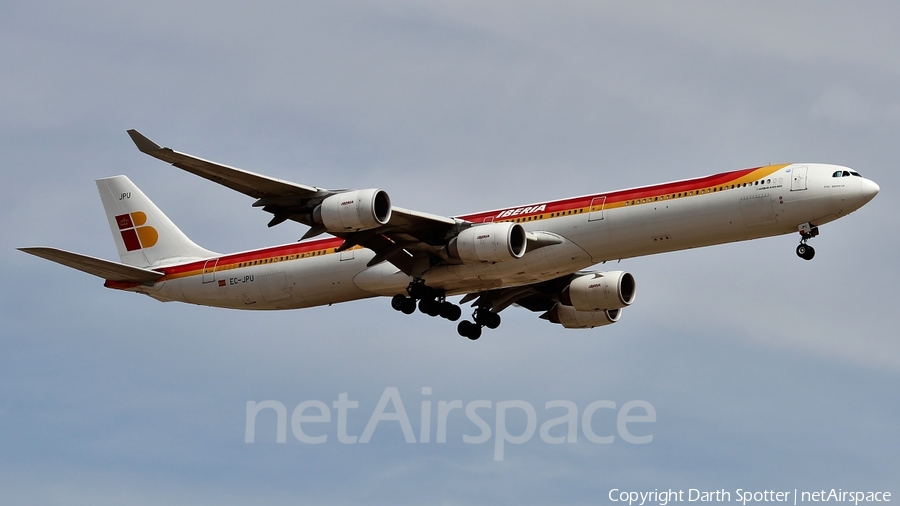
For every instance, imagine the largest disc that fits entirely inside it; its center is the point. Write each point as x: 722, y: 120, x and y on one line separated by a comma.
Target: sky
x: 763, y: 372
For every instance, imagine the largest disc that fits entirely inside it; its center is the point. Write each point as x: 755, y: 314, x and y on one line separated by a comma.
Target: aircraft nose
x: 869, y: 189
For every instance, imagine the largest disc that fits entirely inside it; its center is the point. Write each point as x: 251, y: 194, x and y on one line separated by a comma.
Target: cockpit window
x: 846, y: 173
x: 837, y: 174
x: 853, y: 172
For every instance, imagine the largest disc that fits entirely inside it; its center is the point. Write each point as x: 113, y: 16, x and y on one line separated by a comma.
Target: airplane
x: 533, y: 256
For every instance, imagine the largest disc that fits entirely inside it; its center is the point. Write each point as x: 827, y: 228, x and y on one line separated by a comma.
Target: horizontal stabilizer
x: 106, y: 269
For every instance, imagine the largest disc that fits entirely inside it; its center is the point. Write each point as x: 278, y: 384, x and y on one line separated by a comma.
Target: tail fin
x: 145, y: 237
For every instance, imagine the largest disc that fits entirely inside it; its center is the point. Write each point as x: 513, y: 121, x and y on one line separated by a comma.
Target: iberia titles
x: 522, y: 210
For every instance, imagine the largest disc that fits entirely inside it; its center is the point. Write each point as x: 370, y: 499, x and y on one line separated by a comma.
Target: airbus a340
x: 532, y: 256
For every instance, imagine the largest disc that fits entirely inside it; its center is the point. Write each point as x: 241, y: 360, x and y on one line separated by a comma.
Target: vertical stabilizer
x: 145, y: 237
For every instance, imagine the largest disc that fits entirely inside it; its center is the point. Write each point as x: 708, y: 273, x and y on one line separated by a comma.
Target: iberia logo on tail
x: 135, y: 235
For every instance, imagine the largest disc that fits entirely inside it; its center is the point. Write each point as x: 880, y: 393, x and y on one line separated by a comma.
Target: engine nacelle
x: 600, y: 291
x: 354, y: 210
x: 490, y: 242
x: 572, y: 318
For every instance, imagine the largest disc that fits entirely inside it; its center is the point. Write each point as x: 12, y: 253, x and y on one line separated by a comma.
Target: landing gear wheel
x: 469, y: 330
x: 409, y: 306
x: 806, y: 252
x: 450, y: 311
x: 430, y: 307
x: 487, y: 318
x: 810, y: 253
x: 398, y: 301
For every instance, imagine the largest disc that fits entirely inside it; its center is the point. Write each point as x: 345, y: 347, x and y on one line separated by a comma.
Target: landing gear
x: 430, y: 301
x: 487, y: 318
x: 469, y: 330
x: 483, y: 318
x: 806, y: 252
x: 403, y: 304
x: 450, y: 311
x: 431, y: 307
x: 807, y: 232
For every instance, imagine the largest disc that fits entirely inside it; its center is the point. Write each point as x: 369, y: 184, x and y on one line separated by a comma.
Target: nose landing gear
x: 806, y: 251
x: 807, y: 232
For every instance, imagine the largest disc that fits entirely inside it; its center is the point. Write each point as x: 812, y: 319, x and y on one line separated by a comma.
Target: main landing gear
x: 431, y: 301
x: 483, y: 318
x: 807, y: 232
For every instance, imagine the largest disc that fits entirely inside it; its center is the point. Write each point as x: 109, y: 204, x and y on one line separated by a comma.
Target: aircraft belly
x: 382, y: 279
x: 539, y: 265
x: 241, y: 289
x: 163, y: 291
x: 285, y: 285
x: 328, y: 279
x: 672, y: 225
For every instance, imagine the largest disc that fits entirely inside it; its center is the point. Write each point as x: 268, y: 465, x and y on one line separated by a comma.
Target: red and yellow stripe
x: 635, y: 196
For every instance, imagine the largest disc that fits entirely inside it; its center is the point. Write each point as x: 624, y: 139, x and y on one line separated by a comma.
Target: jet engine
x: 600, y: 291
x: 489, y: 242
x: 353, y: 211
x: 572, y: 318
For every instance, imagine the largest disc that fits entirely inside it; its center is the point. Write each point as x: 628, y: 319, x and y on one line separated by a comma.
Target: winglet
x: 144, y: 144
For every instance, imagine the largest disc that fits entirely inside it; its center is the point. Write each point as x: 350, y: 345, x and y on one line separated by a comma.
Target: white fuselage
x: 718, y: 209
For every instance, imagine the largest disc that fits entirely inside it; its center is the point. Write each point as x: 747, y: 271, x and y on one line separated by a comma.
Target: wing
x: 538, y: 297
x: 409, y: 236
x: 106, y: 269
x: 543, y: 297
